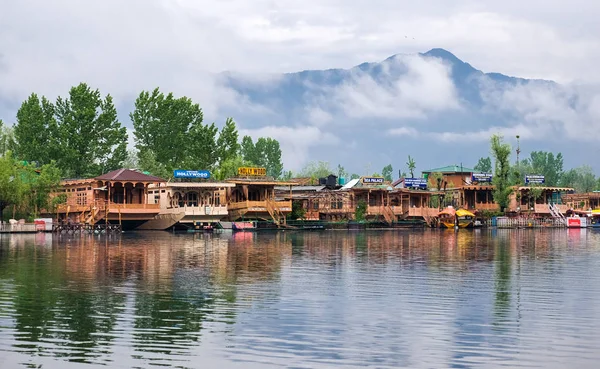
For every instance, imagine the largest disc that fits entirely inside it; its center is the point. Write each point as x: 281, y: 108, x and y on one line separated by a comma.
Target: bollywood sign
x: 252, y: 172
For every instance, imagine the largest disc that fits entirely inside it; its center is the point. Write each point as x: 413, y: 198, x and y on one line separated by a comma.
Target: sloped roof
x: 450, y: 169
x: 351, y: 184
x: 128, y: 175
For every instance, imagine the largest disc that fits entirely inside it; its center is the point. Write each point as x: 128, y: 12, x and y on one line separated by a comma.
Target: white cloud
x: 425, y: 86
x: 404, y: 131
x: 295, y: 142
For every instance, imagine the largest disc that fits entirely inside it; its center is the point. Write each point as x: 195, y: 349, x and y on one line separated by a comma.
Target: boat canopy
x: 448, y: 211
x: 464, y: 213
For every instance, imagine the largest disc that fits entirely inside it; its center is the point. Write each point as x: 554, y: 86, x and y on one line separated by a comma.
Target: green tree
x: 546, y: 164
x: 360, y: 211
x: 249, y: 152
x: 36, y: 131
x: 91, y: 139
x: 172, y: 129
x: 7, y: 139
x: 147, y: 162
x: 42, y: 182
x: 501, y: 153
x: 228, y: 146
x: 387, y: 172
x: 12, y: 189
x: 229, y: 167
x: 298, y: 212
x: 411, y: 166
x: 354, y: 176
x: 484, y: 165
x: 270, y: 152
x: 316, y: 169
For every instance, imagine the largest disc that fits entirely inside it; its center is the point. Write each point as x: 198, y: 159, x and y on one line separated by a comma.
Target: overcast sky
x: 122, y: 47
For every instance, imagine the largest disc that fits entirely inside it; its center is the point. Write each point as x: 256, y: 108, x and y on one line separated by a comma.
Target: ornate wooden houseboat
x: 117, y: 197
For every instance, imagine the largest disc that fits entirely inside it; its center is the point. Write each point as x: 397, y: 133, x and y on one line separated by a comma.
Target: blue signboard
x: 180, y: 173
x: 481, y: 177
x: 535, y: 179
x: 415, y: 183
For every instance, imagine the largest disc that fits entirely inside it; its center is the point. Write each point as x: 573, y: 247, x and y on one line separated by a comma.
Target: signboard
x: 248, y: 171
x: 374, y: 180
x: 534, y: 179
x: 180, y: 173
x: 415, y: 183
x: 575, y: 222
x: 481, y: 177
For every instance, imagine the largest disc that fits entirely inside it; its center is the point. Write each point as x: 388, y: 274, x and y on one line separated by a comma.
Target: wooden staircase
x: 275, y: 213
x: 388, y: 214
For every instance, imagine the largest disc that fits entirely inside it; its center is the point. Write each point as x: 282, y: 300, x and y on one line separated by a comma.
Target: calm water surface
x: 430, y: 299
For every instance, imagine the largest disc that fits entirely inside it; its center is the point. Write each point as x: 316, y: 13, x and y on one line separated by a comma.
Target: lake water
x: 382, y: 299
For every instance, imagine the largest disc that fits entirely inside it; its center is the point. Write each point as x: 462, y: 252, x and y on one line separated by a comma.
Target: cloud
x: 407, y: 86
x: 404, y: 131
x: 295, y: 142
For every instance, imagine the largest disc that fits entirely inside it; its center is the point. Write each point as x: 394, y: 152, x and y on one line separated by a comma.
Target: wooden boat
x: 243, y: 226
x: 447, y: 217
x: 465, y: 218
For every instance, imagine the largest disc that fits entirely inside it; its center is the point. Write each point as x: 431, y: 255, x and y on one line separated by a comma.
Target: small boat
x: 447, y: 217
x: 465, y: 218
x: 243, y: 226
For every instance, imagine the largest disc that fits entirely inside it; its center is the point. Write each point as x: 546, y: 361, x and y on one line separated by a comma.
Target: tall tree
x: 249, y: 152
x: 484, y: 165
x: 92, y: 140
x: 270, y: 151
x: 172, y: 129
x: 146, y: 161
x: 36, y: 131
x: 501, y: 180
x: 582, y: 179
x: 315, y: 170
x: 7, y: 139
x: 228, y: 146
x: 265, y: 153
x: 411, y: 166
x: 12, y: 190
x: 387, y: 172
x: 546, y: 164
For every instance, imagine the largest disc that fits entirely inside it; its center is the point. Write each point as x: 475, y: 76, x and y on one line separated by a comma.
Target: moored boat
x: 465, y: 218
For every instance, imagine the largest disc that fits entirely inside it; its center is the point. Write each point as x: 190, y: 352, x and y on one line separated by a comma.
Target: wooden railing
x: 260, y: 205
x: 545, y: 209
x: 423, y: 212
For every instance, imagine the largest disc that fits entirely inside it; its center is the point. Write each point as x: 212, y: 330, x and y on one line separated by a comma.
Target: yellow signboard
x: 258, y: 172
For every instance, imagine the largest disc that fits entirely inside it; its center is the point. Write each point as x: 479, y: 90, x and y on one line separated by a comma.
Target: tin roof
x: 128, y: 175
x: 450, y: 169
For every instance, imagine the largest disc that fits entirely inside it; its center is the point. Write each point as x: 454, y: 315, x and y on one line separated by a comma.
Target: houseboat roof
x: 260, y: 181
x: 301, y: 188
x: 128, y: 175
x: 450, y: 169
x: 477, y: 187
x: 544, y: 188
x: 200, y: 184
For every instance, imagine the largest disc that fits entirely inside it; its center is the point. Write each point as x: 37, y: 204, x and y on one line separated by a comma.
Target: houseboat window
x: 156, y: 199
x: 316, y: 204
x: 218, y: 200
x: 192, y: 199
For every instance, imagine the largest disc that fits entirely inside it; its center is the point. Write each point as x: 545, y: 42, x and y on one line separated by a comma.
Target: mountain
x: 431, y: 105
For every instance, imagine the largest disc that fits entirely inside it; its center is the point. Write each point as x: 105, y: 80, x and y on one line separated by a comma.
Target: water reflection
x: 306, y: 299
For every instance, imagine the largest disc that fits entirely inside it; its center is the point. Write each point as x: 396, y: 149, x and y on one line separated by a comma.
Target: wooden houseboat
x: 254, y: 198
x: 550, y: 200
x: 188, y: 205
x: 582, y: 201
x: 117, y: 197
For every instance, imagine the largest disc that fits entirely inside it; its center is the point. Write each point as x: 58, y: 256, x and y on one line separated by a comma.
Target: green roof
x: 450, y: 169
